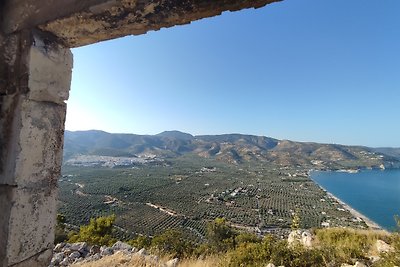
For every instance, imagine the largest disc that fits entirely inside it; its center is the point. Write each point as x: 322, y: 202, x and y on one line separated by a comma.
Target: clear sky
x: 309, y: 70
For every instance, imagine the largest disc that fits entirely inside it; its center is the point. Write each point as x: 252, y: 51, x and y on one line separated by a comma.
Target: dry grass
x: 123, y: 260
x: 208, y: 262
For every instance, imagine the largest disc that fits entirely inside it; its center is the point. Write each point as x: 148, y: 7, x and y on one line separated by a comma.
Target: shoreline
x: 369, y: 222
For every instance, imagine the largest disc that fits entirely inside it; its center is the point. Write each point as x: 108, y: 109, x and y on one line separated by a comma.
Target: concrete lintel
x: 27, y: 14
x: 77, y: 24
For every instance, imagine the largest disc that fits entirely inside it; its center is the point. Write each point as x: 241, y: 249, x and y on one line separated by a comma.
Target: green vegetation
x: 98, y: 232
x: 331, y: 247
x: 172, y: 243
x: 233, y: 197
x: 60, y: 232
x: 186, y: 193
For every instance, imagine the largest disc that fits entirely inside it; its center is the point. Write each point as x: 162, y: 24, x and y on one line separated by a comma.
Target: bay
x: 374, y: 193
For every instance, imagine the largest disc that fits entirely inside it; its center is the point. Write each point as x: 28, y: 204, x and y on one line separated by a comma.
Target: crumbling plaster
x: 78, y: 23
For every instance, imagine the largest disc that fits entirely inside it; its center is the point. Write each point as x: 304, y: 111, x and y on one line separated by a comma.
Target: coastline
x: 369, y: 222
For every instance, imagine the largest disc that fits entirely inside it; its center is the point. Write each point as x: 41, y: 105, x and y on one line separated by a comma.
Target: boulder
x: 121, y: 246
x: 106, y: 251
x: 94, y: 257
x: 94, y: 250
x: 74, y: 255
x: 142, y: 252
x: 172, y: 263
x: 57, y: 258
x: 294, y: 237
x: 304, y: 238
x: 65, y: 262
x: 59, y: 247
x: 80, y: 246
x: 383, y: 247
x: 155, y: 258
x: 359, y: 264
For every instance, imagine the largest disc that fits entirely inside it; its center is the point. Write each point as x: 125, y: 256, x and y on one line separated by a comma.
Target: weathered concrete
x: 97, y: 20
x: 33, y: 92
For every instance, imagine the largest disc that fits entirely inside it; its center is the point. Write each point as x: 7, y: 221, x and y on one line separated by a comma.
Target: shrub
x: 173, y: 243
x: 60, y: 232
x: 140, y: 242
x: 97, y: 232
x: 220, y: 236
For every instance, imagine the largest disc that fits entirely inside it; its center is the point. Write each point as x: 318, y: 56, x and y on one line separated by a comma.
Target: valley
x: 177, y: 181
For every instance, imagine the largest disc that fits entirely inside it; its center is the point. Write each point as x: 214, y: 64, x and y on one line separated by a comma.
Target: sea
x: 374, y: 193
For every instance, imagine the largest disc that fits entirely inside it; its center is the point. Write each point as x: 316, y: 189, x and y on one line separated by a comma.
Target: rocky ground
x: 76, y: 254
x: 123, y: 255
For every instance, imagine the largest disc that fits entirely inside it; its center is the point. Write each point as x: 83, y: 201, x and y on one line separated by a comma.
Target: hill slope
x: 231, y: 148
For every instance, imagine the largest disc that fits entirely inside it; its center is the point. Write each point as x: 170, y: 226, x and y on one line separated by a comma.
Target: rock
x: 57, y: 258
x: 94, y: 250
x: 294, y: 237
x: 59, y: 247
x: 106, y: 251
x: 306, y: 239
x: 172, y: 263
x: 94, y: 257
x: 383, y: 247
x: 374, y: 259
x: 65, y: 262
x: 270, y: 265
x: 155, y: 259
x: 74, y: 255
x: 80, y: 246
x: 142, y: 252
x: 121, y: 246
x: 359, y: 264
x: 67, y: 251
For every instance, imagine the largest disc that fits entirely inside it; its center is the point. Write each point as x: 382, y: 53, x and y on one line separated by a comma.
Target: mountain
x: 176, y: 135
x: 390, y: 151
x: 231, y: 148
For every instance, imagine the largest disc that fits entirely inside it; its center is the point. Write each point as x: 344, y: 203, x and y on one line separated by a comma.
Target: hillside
x: 182, y: 182
x: 230, y: 148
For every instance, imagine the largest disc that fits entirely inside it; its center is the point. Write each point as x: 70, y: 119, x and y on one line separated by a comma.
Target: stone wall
x: 33, y: 90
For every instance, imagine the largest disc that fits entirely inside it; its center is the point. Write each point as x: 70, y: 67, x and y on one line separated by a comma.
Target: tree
x: 295, y: 221
x: 172, y: 242
x: 220, y: 235
x: 97, y: 232
x: 60, y: 232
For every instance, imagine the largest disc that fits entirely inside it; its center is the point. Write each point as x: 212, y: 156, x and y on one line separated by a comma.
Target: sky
x: 309, y: 70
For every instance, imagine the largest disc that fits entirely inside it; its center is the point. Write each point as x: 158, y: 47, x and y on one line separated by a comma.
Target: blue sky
x: 309, y: 70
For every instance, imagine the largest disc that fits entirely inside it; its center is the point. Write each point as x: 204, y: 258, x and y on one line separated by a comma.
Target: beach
x: 370, y: 223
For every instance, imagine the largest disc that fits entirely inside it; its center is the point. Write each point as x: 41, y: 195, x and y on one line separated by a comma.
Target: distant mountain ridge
x: 231, y: 148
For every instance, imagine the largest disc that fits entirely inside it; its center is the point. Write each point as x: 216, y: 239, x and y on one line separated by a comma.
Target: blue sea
x: 374, y: 193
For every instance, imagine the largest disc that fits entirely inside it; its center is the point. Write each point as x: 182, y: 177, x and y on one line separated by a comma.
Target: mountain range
x: 230, y: 148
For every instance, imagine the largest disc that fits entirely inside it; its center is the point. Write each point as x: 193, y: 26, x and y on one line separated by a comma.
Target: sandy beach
x: 371, y: 224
